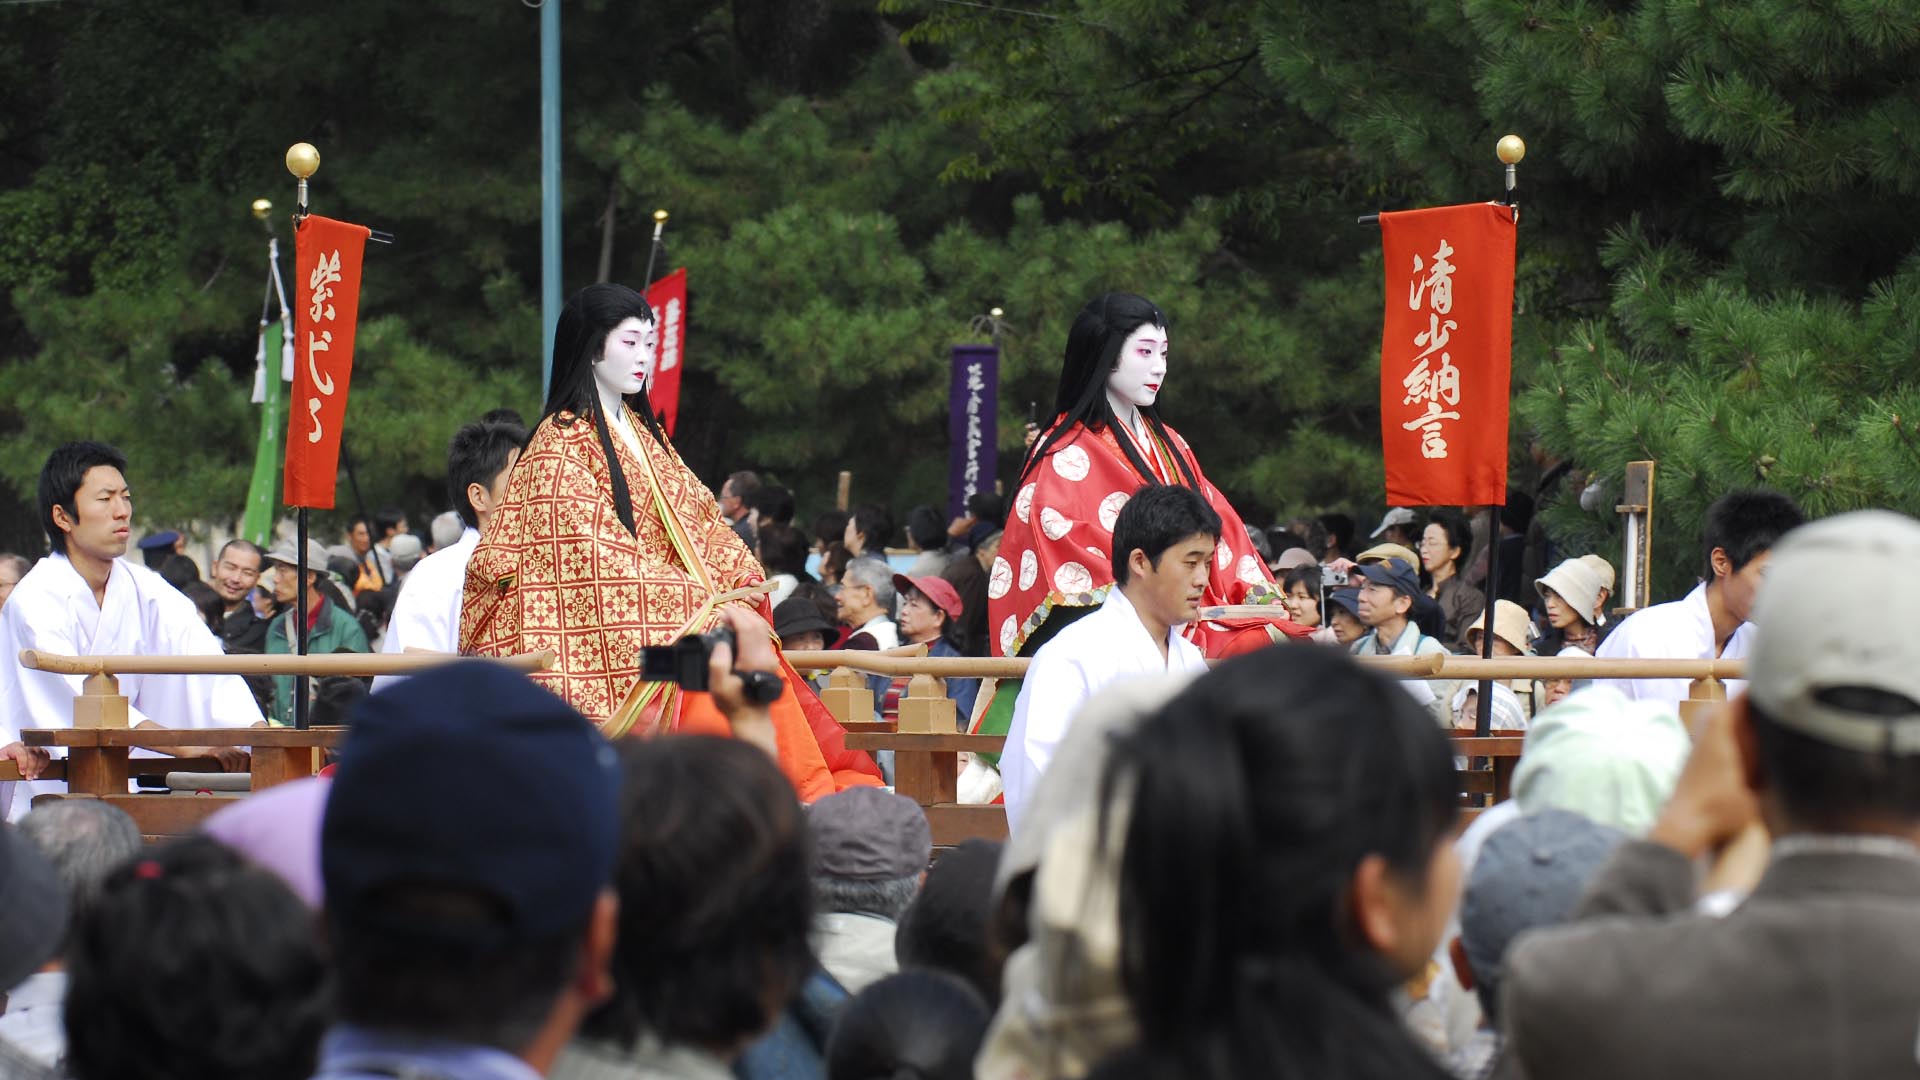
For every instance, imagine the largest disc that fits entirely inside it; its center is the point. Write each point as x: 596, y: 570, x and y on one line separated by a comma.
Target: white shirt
x: 32, y: 1021
x: 883, y: 630
x: 856, y: 949
x: 427, y: 614
x: 1098, y: 650
x: 53, y: 609
x: 1679, y: 630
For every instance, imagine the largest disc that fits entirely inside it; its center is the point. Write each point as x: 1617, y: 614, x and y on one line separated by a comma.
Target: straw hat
x: 1510, y: 624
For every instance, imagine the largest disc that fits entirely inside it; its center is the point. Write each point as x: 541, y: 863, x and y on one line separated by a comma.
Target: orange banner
x: 1446, y: 354
x: 668, y: 298
x: 327, y: 308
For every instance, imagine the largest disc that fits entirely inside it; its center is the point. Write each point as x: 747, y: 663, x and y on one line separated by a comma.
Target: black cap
x: 1393, y: 573
x: 419, y: 799
x: 798, y: 615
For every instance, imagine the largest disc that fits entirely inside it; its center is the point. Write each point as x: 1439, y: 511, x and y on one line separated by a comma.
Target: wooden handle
x: 276, y: 664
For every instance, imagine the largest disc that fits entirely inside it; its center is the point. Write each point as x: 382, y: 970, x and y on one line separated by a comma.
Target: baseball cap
x: 1812, y: 639
x: 1577, y: 584
x: 1399, y: 515
x: 935, y: 589
x: 866, y: 834
x: 158, y: 540
x: 798, y: 615
x: 33, y: 908
x: 1346, y: 599
x: 1395, y: 574
x: 1529, y: 874
x: 416, y: 801
x: 285, y: 553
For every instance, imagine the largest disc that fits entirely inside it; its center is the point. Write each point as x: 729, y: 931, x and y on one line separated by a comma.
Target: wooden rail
x: 1433, y: 666
x: 276, y: 664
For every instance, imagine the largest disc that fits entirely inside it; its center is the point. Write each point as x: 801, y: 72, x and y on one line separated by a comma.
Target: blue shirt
x: 356, y: 1053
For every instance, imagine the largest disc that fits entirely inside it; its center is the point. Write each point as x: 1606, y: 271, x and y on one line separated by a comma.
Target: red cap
x: 938, y: 590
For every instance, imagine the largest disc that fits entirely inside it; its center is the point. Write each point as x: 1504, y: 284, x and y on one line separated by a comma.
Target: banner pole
x: 1510, y: 150
x: 302, y: 161
x: 653, y: 249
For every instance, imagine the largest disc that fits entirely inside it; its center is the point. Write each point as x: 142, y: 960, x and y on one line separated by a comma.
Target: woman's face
x: 1435, y: 552
x: 627, y: 360
x: 1303, y: 606
x: 1560, y: 614
x: 1141, y: 368
x: 1346, y: 628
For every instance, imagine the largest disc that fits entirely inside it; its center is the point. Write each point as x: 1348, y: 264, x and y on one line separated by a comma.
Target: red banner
x: 1446, y: 354
x: 326, y: 310
x: 668, y: 298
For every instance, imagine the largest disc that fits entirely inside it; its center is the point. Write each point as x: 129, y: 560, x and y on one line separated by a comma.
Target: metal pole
x: 549, y: 186
x: 300, y: 619
x: 1483, y: 721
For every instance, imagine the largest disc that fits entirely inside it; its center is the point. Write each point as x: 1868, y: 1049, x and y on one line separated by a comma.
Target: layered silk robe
x: 557, y: 570
x: 1057, y: 550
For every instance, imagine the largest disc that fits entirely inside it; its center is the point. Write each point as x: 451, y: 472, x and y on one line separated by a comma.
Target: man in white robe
x: 426, y: 617
x: 1711, y: 621
x: 1163, y: 545
x: 86, y: 600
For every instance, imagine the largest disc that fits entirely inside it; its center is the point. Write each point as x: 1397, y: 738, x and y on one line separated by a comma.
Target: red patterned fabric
x: 556, y: 569
x: 1057, y: 548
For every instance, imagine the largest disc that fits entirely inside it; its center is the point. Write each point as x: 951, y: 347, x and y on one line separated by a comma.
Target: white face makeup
x: 626, y: 362
x: 1140, y: 370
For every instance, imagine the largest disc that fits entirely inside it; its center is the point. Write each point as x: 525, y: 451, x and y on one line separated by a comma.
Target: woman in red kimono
x: 1106, y: 439
x: 606, y: 542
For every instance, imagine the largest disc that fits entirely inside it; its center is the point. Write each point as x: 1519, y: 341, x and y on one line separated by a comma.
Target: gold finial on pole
x: 1510, y: 150
x: 659, y: 226
x: 261, y: 208
x: 659, y: 220
x: 303, y: 160
x: 996, y: 313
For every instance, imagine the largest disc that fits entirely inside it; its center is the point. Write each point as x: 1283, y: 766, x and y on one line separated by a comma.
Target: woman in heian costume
x: 1105, y: 441
x: 607, y: 542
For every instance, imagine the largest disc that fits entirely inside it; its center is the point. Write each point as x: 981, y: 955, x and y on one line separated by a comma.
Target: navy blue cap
x: 1393, y: 573
x: 471, y: 777
x: 1348, y: 599
x: 158, y: 540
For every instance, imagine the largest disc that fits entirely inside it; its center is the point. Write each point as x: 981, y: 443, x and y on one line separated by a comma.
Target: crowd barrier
x: 926, y: 740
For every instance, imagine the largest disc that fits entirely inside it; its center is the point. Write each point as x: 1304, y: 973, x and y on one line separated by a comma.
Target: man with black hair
x: 771, y: 505
x: 470, y: 934
x: 735, y: 495
x: 1163, y: 547
x: 1388, y: 592
x: 236, y: 572
x: 1711, y: 623
x: 427, y: 614
x: 373, y: 562
x: 1817, y: 971
x: 87, y: 600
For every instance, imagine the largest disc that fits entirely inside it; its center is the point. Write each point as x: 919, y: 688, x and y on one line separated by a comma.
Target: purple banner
x: 972, y: 424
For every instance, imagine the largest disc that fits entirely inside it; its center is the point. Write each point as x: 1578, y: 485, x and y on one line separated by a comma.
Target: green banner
x: 262, y: 495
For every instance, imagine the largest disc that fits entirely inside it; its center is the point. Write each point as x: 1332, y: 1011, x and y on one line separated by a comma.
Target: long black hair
x: 579, y: 339
x: 1255, y: 795
x: 1093, y: 349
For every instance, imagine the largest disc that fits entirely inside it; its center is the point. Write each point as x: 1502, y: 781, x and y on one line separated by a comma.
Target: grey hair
x: 884, y: 897
x: 85, y: 839
x: 875, y: 574
x: 20, y: 563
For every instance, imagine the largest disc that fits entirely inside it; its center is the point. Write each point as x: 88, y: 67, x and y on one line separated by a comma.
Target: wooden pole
x: 357, y: 664
x: 844, y: 494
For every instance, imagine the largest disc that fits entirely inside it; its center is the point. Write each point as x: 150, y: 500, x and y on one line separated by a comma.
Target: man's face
x: 854, y: 600
x: 236, y: 571
x: 358, y: 538
x: 1739, y: 587
x: 103, y: 515
x: 495, y: 493
x: 919, y: 619
x: 286, y: 583
x: 729, y: 502
x: 1170, y: 590
x: 1380, y: 604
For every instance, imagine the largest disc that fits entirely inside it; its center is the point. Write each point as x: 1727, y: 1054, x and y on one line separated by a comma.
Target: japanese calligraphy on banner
x: 972, y: 424
x: 326, y: 309
x: 668, y: 298
x: 1446, y: 354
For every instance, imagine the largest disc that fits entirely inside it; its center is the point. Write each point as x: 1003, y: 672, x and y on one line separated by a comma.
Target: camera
x: 684, y: 663
x: 1331, y: 578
